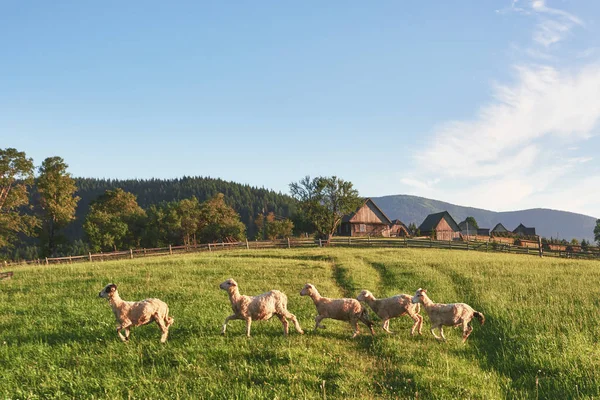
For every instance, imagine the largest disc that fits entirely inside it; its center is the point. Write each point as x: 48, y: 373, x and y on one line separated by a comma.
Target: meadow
x: 540, y: 339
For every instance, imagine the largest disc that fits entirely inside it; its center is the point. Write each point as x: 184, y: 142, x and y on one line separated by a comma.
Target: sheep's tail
x: 479, y: 316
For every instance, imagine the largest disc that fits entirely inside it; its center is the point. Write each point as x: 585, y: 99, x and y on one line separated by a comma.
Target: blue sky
x: 491, y: 104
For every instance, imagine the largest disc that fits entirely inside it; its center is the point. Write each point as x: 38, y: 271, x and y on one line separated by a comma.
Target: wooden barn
x: 523, y: 230
x: 367, y: 220
x: 398, y: 229
x: 499, y: 228
x: 440, y: 225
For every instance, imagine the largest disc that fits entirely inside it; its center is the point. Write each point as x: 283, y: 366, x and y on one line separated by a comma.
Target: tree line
x: 45, y: 211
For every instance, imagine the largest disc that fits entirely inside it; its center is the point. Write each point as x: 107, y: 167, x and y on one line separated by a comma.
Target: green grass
x: 57, y: 337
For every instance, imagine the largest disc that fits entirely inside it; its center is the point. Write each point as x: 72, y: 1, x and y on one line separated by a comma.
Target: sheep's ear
x: 424, y: 290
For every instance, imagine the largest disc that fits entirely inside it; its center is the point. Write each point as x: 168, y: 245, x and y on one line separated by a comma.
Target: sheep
x: 448, y: 314
x: 258, y: 308
x: 392, y: 307
x: 137, y: 313
x: 341, y: 309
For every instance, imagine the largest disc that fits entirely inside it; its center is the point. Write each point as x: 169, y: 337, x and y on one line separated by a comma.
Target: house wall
x: 366, y: 215
x: 370, y: 230
x: 445, y: 232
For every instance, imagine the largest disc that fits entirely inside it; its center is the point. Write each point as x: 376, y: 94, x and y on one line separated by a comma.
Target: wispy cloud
x: 522, y: 148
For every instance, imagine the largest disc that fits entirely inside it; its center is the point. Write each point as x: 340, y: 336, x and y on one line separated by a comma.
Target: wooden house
x: 367, y: 220
x: 441, y: 226
x: 524, y: 231
x: 398, y: 229
x: 499, y: 228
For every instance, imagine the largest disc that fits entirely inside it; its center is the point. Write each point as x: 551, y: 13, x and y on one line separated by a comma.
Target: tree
x: 16, y: 174
x: 163, y: 225
x: 585, y: 245
x: 219, y: 222
x: 574, y: 242
x: 270, y: 228
x: 114, y: 221
x: 189, y: 213
x: 597, y: 232
x: 412, y: 229
x: 57, y: 200
x: 472, y: 223
x: 325, y: 200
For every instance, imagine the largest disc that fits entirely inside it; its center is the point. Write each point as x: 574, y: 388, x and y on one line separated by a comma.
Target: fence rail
x: 336, y: 241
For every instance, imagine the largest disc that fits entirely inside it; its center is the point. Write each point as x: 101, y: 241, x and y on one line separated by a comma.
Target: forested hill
x: 248, y: 201
x: 548, y: 223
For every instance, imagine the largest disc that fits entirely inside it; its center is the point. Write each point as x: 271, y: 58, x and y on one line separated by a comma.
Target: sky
x: 489, y: 104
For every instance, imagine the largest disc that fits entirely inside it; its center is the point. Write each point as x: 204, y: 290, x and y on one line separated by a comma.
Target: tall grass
x: 57, y: 337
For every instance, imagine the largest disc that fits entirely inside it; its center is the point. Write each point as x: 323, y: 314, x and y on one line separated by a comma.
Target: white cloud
x: 555, y: 24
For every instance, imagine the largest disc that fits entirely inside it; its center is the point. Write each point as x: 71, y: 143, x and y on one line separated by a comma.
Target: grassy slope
x: 57, y: 337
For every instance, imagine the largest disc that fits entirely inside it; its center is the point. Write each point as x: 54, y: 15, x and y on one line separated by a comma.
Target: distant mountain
x: 547, y: 223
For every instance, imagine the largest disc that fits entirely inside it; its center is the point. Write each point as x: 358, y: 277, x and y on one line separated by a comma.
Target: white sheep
x: 341, y: 309
x: 258, y: 308
x: 137, y: 313
x: 448, y: 315
x: 392, y: 307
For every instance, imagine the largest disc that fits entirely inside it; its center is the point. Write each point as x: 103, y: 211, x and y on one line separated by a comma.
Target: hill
x: 548, y: 223
x: 247, y: 200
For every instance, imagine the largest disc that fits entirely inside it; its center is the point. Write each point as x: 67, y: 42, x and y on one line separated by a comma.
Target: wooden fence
x: 350, y: 242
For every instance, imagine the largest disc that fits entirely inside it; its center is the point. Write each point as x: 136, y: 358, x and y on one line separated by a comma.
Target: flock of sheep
x: 274, y: 302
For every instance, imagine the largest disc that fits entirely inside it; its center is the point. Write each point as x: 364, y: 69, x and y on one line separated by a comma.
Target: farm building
x: 441, y: 225
x: 483, y: 231
x: 397, y: 228
x: 466, y: 229
x: 367, y: 220
x: 499, y: 228
x: 523, y: 230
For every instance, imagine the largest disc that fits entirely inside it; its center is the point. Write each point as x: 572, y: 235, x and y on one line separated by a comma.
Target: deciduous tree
x: 114, y: 221
x: 219, y: 222
x: 16, y: 175
x: 58, y: 202
x: 325, y: 200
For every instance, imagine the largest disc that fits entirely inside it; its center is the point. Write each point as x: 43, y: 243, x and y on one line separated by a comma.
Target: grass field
x: 540, y: 339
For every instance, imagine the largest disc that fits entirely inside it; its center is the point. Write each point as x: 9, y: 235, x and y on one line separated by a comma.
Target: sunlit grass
x: 57, y: 338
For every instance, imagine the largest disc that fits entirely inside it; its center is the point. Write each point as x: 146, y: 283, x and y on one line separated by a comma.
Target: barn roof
x: 433, y: 220
x: 499, y: 228
x: 371, y: 204
x: 522, y: 229
x: 398, y: 222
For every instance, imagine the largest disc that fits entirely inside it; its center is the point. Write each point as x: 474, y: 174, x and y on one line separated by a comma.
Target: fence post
x: 369, y: 239
x: 348, y: 240
x: 247, y: 245
x: 320, y: 243
x: 540, y: 246
x: 131, y: 253
x: 209, y: 249
x: 144, y: 252
x: 288, y: 242
x: 70, y: 259
x: 430, y: 242
x: 90, y: 256
x: 170, y: 250
x: 46, y: 260
x: 467, y: 244
x: 486, y: 246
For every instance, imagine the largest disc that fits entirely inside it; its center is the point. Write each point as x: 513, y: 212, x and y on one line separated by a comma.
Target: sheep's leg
x: 386, y: 326
x: 354, y: 323
x: 318, y: 320
x: 433, y: 332
x: 120, y: 328
x: 467, y: 329
x: 368, y: 323
x: 224, y: 328
x: 248, y: 324
x: 442, y: 333
x: 284, y: 322
x: 418, y: 323
x: 295, y: 321
x: 163, y: 328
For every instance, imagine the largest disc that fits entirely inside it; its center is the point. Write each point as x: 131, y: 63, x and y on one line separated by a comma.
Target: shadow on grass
x: 498, y: 348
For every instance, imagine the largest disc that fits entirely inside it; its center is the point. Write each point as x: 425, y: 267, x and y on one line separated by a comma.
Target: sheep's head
x: 307, y: 290
x: 365, y: 295
x: 229, y: 283
x: 108, y: 291
x: 418, y: 297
